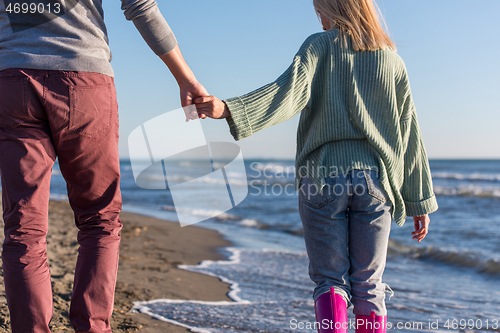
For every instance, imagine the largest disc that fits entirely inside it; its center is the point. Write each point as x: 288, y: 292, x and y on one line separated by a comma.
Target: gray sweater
x: 71, y: 35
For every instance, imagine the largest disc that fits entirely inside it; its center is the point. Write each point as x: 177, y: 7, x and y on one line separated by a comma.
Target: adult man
x: 57, y: 99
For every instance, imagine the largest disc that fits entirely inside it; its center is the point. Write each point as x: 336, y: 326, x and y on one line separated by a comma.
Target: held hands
x: 188, y: 93
x: 191, y: 91
x: 212, y: 107
x: 189, y: 87
x: 421, y: 224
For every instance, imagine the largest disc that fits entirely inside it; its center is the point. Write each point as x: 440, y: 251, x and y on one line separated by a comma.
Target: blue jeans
x: 346, y: 230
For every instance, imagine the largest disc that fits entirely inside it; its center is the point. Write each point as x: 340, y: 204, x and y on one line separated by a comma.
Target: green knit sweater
x: 357, y: 113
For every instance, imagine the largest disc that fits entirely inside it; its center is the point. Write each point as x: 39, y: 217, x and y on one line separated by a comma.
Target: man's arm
x: 157, y: 33
x: 189, y: 86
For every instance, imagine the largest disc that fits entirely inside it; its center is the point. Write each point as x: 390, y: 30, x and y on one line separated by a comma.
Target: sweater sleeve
x: 151, y: 24
x: 417, y: 191
x: 275, y: 102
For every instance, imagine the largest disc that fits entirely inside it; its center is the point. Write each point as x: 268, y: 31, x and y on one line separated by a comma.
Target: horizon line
x: 293, y: 159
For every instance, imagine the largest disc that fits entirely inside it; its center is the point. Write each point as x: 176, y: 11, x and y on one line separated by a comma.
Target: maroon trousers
x: 72, y: 116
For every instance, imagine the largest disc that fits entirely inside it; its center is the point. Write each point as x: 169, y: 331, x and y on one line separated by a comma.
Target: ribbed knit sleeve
x: 417, y: 191
x: 151, y: 24
x: 275, y: 102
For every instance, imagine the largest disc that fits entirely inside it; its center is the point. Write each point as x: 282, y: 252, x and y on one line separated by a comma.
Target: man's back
x: 71, y: 35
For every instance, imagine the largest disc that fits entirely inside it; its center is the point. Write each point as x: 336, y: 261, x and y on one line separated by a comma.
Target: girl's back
x: 354, y: 95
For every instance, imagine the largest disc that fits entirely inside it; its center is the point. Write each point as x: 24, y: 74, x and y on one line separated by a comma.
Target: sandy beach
x: 150, y: 252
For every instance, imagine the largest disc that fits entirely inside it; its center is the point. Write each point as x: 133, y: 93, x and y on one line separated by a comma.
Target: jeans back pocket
x: 90, y: 111
x: 374, y: 186
x: 315, y: 197
x: 13, y: 110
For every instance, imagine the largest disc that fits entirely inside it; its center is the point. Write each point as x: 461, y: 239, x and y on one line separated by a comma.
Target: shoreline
x: 150, y: 251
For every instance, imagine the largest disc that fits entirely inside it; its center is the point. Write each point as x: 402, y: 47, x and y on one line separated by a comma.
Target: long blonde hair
x: 358, y: 19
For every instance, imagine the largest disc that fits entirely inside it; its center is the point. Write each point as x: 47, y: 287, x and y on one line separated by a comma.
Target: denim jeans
x: 72, y: 116
x: 346, y: 230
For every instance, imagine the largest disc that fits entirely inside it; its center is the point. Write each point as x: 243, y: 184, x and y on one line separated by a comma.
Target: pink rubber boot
x: 331, y: 313
x: 371, y: 324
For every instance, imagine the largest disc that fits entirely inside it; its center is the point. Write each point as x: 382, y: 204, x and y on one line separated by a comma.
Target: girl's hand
x: 421, y: 224
x: 211, y: 106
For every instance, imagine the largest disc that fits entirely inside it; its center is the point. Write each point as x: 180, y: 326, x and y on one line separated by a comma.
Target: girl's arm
x: 417, y: 189
x: 267, y: 106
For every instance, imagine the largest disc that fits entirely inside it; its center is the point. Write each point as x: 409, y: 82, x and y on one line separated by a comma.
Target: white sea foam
x: 479, y: 261
x: 463, y: 176
x: 273, y: 169
x: 237, y: 175
x: 220, y: 215
x: 468, y: 190
x: 252, y: 223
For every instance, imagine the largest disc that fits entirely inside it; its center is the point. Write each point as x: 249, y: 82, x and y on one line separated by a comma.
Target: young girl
x: 360, y: 160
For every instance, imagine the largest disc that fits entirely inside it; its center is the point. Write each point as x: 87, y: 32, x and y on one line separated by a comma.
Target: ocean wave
x: 219, y: 214
x: 224, y: 217
x: 468, y: 191
x: 205, y: 180
x: 461, y: 176
x: 234, y: 174
x: 272, y: 169
x: 218, y: 165
x: 251, y: 223
x: 466, y: 259
x: 269, y: 182
x: 257, y: 224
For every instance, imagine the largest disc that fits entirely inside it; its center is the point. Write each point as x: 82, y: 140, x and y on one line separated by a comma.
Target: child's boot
x: 371, y: 324
x: 331, y: 313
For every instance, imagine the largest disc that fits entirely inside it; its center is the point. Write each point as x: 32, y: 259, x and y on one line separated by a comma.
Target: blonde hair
x: 358, y: 19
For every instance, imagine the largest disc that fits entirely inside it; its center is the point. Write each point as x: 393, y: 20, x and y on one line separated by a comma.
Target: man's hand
x: 190, y: 88
x: 188, y: 94
x: 212, y: 107
x: 421, y: 224
x: 191, y: 91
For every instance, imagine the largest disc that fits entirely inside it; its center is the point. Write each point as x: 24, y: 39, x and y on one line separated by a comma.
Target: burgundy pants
x: 72, y: 116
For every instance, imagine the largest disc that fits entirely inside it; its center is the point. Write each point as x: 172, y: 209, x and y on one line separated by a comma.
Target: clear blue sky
x: 451, y: 49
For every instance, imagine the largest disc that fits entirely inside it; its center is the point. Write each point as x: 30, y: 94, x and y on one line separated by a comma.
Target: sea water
x: 448, y: 282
